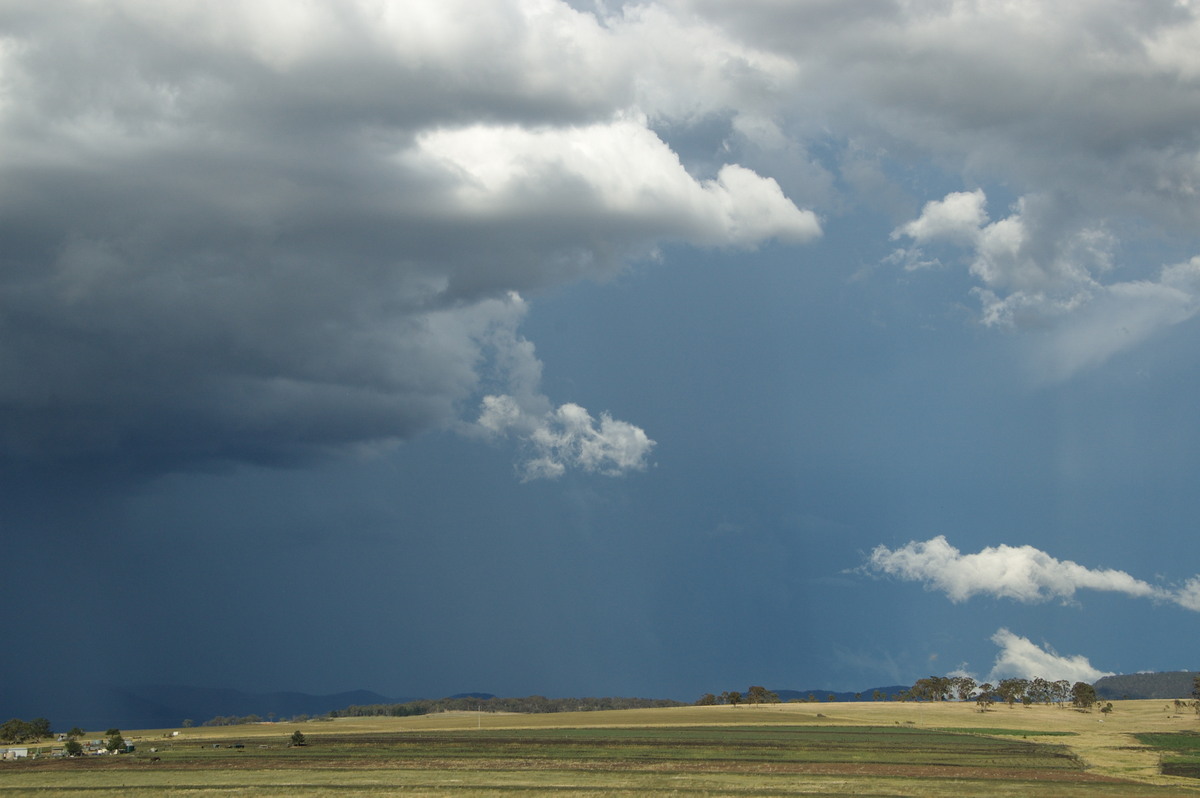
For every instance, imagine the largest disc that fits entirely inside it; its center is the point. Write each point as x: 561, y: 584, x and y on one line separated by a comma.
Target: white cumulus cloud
x: 958, y: 217
x: 618, y: 172
x: 1034, y: 274
x: 1023, y: 573
x: 1021, y: 658
x: 553, y: 439
x: 567, y: 437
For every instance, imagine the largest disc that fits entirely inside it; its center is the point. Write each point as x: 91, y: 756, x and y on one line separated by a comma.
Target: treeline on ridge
x: 1172, y: 684
x: 1079, y: 695
x: 1009, y: 691
x: 528, y: 704
x: 948, y: 688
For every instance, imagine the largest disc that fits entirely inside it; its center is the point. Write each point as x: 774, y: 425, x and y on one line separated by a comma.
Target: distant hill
x: 206, y: 703
x: 99, y: 706
x: 1173, y: 684
x: 822, y: 695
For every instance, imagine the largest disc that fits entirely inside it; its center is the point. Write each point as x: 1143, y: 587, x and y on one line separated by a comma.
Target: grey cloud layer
x: 274, y: 229
x: 268, y: 231
x: 1035, y: 92
x: 1089, y: 111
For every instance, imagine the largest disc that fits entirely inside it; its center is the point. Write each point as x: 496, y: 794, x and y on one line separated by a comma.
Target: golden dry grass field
x: 895, y: 749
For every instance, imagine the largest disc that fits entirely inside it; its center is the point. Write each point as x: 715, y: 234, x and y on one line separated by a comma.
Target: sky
x: 597, y: 348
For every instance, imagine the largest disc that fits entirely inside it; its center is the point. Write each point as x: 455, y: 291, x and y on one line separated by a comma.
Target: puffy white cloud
x: 1188, y: 596
x: 553, y: 439
x: 1033, y: 275
x: 568, y: 437
x: 1014, y: 256
x: 616, y: 173
x: 959, y: 217
x: 1023, y: 573
x: 1021, y: 658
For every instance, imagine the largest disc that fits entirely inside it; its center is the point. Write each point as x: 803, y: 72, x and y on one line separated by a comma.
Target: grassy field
x: 866, y: 749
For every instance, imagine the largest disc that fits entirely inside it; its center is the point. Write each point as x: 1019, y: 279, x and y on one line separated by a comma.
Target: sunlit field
x: 784, y: 749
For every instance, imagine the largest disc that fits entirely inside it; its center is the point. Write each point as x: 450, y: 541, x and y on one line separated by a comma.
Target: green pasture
x: 864, y: 750
x: 1180, y: 752
x: 632, y: 747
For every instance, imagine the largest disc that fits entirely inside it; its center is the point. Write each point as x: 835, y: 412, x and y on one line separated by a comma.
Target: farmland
x: 771, y: 750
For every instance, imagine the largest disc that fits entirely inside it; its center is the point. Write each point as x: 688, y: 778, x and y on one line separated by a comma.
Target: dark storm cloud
x: 267, y: 232
x: 264, y: 232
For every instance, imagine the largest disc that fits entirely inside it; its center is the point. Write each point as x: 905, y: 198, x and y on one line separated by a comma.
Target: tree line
x: 24, y: 731
x: 1027, y: 692
x: 528, y: 704
x: 229, y: 720
x: 32, y: 731
x: 755, y: 694
x: 949, y: 688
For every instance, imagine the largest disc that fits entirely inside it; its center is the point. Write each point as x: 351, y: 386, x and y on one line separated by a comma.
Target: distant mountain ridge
x: 859, y: 695
x: 207, y: 703
x: 1171, y: 684
x: 100, y: 706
